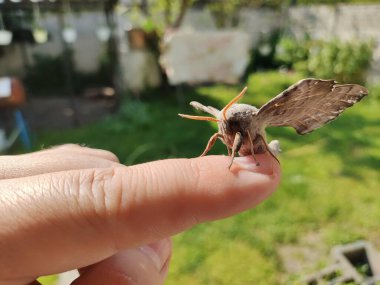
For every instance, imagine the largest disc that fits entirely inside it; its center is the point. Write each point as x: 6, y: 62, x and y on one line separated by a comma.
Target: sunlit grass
x: 329, y: 190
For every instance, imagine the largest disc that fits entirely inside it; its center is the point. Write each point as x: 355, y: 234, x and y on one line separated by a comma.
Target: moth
x: 305, y: 106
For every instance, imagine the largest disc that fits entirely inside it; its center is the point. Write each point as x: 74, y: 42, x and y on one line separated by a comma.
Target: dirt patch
x: 305, y: 256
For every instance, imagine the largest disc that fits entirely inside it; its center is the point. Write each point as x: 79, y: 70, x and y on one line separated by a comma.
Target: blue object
x: 24, y: 134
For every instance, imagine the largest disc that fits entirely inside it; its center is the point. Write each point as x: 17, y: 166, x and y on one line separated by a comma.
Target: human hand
x: 74, y: 207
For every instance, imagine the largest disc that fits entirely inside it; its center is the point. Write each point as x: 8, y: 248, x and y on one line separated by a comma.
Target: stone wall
x: 259, y: 23
x: 256, y: 23
x: 195, y: 57
x: 342, y: 21
x: 346, y: 22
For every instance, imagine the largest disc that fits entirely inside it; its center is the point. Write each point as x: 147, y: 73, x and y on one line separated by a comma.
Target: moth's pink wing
x: 309, y: 104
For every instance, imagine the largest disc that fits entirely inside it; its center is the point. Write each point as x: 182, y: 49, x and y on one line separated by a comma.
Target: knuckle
x: 196, y: 172
x: 97, y: 193
x: 104, y: 187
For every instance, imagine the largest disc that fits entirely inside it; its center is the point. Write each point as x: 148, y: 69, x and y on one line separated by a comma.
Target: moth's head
x: 231, y: 113
x: 237, y: 118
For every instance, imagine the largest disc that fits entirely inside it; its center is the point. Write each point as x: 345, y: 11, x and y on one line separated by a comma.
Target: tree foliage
x: 225, y: 12
x: 344, y: 61
x: 159, y: 15
x: 333, y: 2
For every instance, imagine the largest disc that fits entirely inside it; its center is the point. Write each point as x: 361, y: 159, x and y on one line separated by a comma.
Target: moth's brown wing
x: 208, y: 109
x: 309, y: 104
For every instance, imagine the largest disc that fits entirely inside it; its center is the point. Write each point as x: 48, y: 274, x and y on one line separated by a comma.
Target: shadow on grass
x: 345, y: 137
x: 144, y: 131
x: 351, y: 143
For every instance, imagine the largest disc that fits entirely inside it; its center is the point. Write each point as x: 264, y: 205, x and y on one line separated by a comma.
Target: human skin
x: 72, y: 207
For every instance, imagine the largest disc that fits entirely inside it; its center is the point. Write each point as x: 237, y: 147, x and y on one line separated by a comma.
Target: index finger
x: 75, y: 218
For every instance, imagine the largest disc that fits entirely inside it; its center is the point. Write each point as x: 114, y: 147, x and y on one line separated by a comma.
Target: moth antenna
x: 233, y: 101
x: 199, y: 118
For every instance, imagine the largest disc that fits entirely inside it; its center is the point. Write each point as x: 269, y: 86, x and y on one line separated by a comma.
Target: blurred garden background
x: 114, y: 74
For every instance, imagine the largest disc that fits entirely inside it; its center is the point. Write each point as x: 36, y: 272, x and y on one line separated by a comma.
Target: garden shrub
x: 344, y: 61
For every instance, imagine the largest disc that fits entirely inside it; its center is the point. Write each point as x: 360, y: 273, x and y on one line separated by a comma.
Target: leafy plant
x: 263, y: 56
x: 131, y: 114
x: 343, y: 61
x: 290, y: 51
x: 346, y: 62
x: 334, y: 2
x: 156, y: 16
x: 226, y: 12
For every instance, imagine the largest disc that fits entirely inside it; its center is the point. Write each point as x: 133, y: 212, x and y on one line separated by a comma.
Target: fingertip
x: 263, y: 173
x: 213, y: 191
x: 217, y: 165
x: 247, y: 183
x: 261, y: 163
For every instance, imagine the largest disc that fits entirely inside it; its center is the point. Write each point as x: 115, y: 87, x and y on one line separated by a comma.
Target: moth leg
x: 269, y: 148
x: 211, y: 143
x: 252, y: 149
x: 229, y: 151
x: 238, y: 141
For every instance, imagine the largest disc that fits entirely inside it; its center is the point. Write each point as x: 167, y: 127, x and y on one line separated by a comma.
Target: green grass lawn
x: 329, y: 194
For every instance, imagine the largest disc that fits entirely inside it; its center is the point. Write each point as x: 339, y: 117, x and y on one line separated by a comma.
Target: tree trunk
x: 184, y: 5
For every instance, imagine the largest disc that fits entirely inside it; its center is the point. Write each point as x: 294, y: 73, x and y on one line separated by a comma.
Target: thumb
x: 79, y: 217
x: 146, y: 265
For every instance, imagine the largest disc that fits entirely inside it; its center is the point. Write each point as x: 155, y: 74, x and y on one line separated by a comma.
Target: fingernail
x: 265, y: 165
x: 158, y: 252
